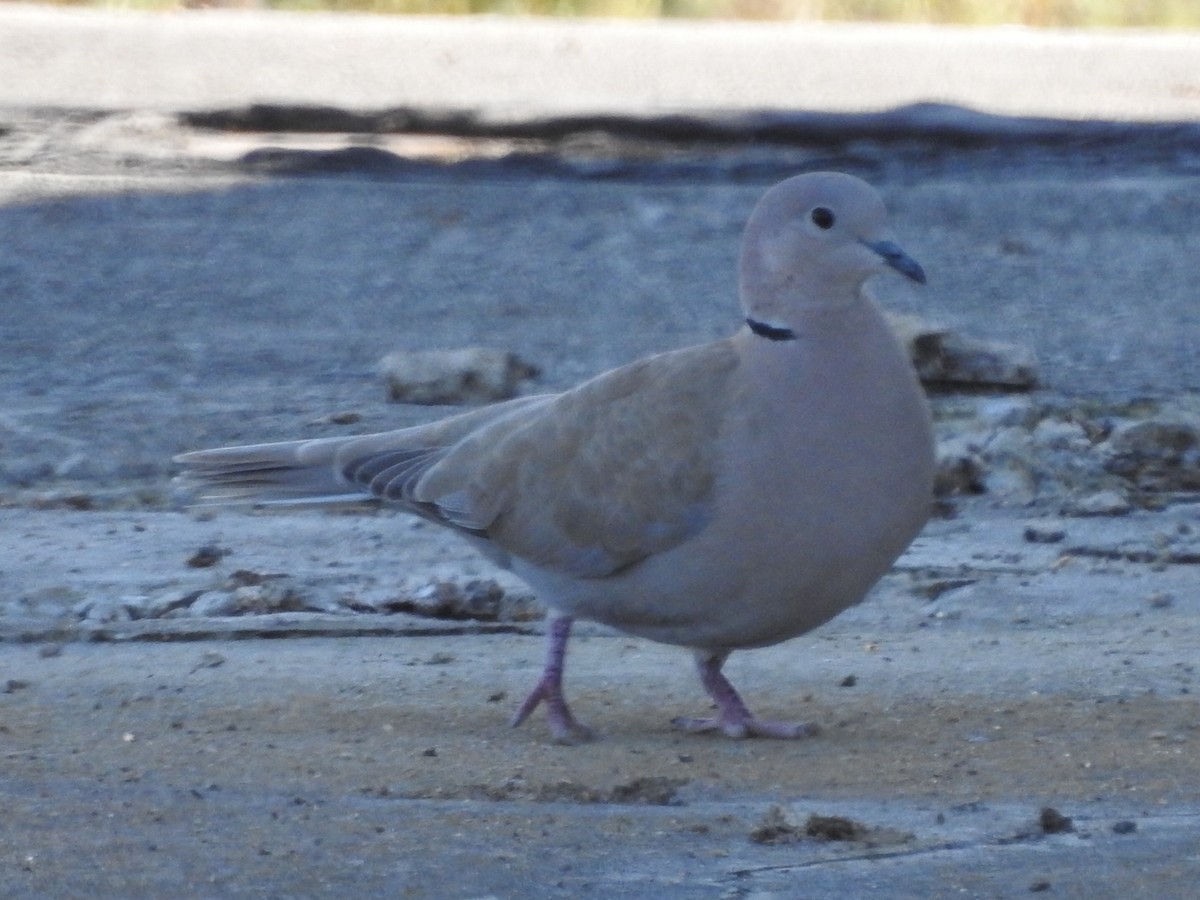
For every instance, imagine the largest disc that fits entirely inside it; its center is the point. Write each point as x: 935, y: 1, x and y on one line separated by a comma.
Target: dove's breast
x: 823, y: 481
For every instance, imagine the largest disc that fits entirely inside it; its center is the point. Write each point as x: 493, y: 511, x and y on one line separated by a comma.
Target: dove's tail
x: 289, y: 472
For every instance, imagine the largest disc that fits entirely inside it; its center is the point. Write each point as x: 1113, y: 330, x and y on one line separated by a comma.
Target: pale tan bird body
x: 720, y: 497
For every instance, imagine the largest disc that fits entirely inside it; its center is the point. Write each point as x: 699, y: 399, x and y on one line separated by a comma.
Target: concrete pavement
x: 517, y: 68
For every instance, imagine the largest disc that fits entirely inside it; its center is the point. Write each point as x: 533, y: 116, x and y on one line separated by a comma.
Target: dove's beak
x: 898, y: 260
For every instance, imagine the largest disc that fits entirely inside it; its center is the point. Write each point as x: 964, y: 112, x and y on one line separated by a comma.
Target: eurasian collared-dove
x: 719, y: 497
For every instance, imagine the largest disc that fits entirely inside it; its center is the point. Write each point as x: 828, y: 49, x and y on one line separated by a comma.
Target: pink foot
x: 564, y: 727
x: 733, y: 718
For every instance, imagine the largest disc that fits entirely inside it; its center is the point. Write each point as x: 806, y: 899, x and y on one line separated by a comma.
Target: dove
x: 719, y: 497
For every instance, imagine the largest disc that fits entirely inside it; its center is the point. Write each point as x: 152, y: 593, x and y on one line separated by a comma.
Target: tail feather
x: 282, y: 473
x: 383, y: 466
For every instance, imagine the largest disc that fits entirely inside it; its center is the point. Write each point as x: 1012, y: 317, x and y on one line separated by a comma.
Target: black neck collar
x: 771, y: 332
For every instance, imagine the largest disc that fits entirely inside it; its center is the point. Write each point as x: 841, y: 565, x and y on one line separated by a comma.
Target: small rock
x: 466, y: 375
x: 936, y: 587
x: 212, y: 603
x: 253, y: 599
x: 959, y: 471
x: 344, y: 417
x: 1160, y: 454
x: 1125, y: 826
x: 777, y: 827
x: 1156, y: 439
x: 1007, y: 412
x: 1011, y: 483
x: 246, y: 592
x: 1100, y: 503
x: 648, y: 790
x: 170, y: 603
x: 481, y: 599
x: 59, y: 500
x: 946, y: 359
x: 1048, y: 531
x: 834, y: 828
x: 209, y: 659
x: 1054, y: 434
x: 206, y: 556
x: 52, y: 601
x: 1161, y: 600
x: 1012, y: 442
x: 1052, y: 821
x: 840, y: 828
x: 106, y: 610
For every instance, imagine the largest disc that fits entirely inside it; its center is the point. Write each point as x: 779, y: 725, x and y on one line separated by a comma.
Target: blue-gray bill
x: 898, y: 260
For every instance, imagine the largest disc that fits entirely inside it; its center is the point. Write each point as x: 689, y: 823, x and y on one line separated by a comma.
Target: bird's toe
x: 749, y: 727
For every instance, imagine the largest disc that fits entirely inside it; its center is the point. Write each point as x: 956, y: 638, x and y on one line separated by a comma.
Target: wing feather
x: 606, y: 475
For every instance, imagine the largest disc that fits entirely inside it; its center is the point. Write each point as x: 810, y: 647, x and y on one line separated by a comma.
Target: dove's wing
x: 602, y: 476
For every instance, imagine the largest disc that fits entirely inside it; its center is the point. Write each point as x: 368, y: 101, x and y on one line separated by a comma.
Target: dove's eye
x: 822, y: 217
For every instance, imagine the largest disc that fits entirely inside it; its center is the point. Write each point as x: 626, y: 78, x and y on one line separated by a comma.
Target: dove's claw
x: 751, y: 727
x: 733, y: 719
x: 565, y: 728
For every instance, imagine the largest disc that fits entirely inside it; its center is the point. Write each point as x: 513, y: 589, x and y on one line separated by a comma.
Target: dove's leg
x: 548, y: 690
x: 733, y: 718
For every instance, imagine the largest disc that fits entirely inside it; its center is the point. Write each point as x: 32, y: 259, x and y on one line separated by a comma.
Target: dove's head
x: 811, y: 242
